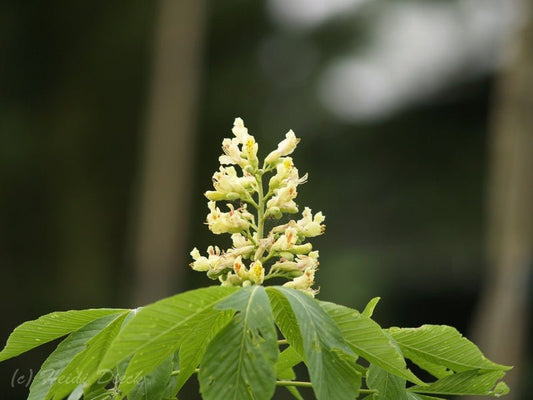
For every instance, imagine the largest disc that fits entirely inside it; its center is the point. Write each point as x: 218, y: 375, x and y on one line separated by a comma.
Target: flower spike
x: 257, y: 256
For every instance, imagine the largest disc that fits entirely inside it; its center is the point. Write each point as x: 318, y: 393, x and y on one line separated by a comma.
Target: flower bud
x: 274, y: 212
x: 302, y: 248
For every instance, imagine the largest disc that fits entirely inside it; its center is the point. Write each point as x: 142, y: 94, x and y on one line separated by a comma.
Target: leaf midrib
x: 243, y: 340
x: 175, y: 326
x: 433, y: 357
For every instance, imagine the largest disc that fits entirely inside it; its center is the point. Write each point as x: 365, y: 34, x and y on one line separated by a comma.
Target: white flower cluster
x: 256, y: 255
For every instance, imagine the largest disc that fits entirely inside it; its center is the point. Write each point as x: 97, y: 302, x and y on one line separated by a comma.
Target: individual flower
x: 234, y: 221
x: 310, y: 226
x: 229, y: 186
x: 286, y: 172
x: 304, y: 262
x: 240, y: 131
x: 246, y: 155
x: 232, y: 153
x: 303, y: 282
x: 257, y: 272
x: 285, y: 147
x: 240, y: 269
x: 200, y: 263
x: 286, y: 241
x: 283, y: 199
x: 250, y: 150
x: 239, y: 240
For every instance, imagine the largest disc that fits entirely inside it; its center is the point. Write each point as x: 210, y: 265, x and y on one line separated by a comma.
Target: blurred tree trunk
x: 163, y: 206
x: 502, y: 317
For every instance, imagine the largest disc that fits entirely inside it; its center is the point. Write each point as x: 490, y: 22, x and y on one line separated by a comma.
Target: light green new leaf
x: 34, y: 333
x: 433, y: 347
x: 472, y: 382
x: 367, y: 339
x: 239, y: 363
x: 370, y: 307
x: 195, y: 343
x: 156, y: 331
x: 313, y: 333
x: 82, y: 367
x: 65, y: 352
x: 388, y: 386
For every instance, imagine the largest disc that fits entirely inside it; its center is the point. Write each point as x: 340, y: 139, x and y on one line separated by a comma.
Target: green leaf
x: 97, y: 392
x: 65, y: 352
x: 153, y: 385
x: 433, y: 347
x: 157, y: 330
x: 76, y: 393
x: 239, y: 362
x: 369, y: 309
x: 109, y: 380
x: 388, y: 386
x: 34, y: 333
x: 82, y: 367
x: 284, y: 368
x: 369, y: 340
x: 294, y: 391
x: 195, y: 343
x: 286, y: 361
x: 314, y: 334
x: 472, y: 382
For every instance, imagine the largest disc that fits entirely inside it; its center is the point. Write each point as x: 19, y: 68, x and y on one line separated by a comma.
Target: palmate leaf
x: 156, y: 331
x: 239, y: 362
x: 154, y: 385
x: 195, y: 343
x: 312, y: 332
x: 51, y: 326
x: 81, y: 369
x: 472, y: 382
x: 367, y: 339
x: 433, y: 347
x: 62, y: 356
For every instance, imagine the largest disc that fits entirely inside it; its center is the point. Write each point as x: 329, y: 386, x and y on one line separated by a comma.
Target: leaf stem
x: 310, y: 385
x: 287, y: 383
x: 176, y: 372
x: 294, y: 383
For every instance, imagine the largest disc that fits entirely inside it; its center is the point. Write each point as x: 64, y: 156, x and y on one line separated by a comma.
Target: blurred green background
x: 394, y: 101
